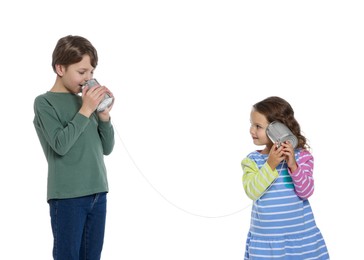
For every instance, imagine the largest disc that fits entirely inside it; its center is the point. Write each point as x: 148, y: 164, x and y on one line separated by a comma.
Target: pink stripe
x: 302, y: 177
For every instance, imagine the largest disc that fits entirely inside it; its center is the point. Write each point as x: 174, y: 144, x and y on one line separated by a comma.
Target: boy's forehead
x: 85, y: 63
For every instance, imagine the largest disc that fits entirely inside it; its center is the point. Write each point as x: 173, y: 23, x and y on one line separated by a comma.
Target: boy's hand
x: 105, y: 115
x: 91, y: 98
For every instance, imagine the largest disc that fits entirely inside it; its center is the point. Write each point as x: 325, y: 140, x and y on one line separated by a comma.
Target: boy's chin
x: 79, y: 90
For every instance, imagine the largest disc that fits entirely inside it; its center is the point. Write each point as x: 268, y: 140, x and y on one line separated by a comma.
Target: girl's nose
x: 251, y: 130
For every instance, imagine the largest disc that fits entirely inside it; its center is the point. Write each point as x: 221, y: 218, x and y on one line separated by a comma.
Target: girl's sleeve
x: 302, y: 176
x: 106, y: 132
x: 60, y: 138
x: 255, y: 180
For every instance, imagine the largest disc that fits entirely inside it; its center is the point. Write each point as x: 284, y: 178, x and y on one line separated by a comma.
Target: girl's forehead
x: 255, y: 116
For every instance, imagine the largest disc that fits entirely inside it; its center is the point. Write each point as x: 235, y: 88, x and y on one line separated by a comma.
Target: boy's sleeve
x: 255, y: 180
x: 303, y: 176
x: 106, y: 132
x: 60, y: 138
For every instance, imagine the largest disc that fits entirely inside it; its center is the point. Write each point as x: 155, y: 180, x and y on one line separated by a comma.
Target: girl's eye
x: 255, y: 126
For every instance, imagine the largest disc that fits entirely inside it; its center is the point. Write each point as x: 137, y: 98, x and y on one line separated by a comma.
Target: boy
x: 75, y: 138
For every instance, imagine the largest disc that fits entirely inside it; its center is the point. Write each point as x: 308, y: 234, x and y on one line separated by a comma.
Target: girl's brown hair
x: 71, y: 49
x: 277, y: 109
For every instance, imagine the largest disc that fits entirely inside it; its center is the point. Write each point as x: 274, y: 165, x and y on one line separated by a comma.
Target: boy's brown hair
x: 71, y: 49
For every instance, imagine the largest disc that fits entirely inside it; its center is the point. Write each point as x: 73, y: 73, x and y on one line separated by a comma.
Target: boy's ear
x: 60, y: 69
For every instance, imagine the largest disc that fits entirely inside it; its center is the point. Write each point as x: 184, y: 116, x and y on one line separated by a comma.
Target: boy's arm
x: 302, y: 176
x: 255, y: 180
x: 106, y: 132
x: 60, y: 138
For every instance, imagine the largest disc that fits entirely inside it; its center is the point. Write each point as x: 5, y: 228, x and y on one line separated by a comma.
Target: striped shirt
x: 282, y: 222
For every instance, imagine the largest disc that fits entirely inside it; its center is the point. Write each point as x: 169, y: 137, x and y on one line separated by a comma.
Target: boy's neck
x: 58, y: 87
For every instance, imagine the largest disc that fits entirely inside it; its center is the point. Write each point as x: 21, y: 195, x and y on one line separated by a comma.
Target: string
x: 164, y: 197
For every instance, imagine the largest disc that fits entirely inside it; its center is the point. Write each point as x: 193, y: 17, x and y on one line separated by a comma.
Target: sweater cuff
x: 105, y: 124
x: 81, y: 120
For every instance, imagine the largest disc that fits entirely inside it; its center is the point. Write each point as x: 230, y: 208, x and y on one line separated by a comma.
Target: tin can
x: 280, y: 133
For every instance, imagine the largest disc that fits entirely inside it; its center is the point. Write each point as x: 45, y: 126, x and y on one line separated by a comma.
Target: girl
x: 279, y: 181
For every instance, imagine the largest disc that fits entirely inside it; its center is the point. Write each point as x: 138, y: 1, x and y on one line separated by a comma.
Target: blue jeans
x: 78, y: 227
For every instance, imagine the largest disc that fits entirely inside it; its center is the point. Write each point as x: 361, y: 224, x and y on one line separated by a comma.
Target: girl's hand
x: 275, y: 156
x: 288, y: 152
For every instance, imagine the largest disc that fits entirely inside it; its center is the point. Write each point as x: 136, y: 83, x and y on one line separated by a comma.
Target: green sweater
x: 73, y: 144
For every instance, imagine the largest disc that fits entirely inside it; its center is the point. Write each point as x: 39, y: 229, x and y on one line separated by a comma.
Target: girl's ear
x: 60, y: 69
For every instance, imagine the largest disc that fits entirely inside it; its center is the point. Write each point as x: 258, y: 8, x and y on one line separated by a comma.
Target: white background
x: 185, y: 74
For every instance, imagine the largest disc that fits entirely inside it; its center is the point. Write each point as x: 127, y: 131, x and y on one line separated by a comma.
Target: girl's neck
x: 266, y: 149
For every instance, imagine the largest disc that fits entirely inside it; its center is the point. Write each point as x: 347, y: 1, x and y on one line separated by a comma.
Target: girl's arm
x: 255, y: 180
x: 302, y: 176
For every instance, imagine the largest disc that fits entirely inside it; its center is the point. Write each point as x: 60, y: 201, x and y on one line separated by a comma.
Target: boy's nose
x: 88, y: 76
